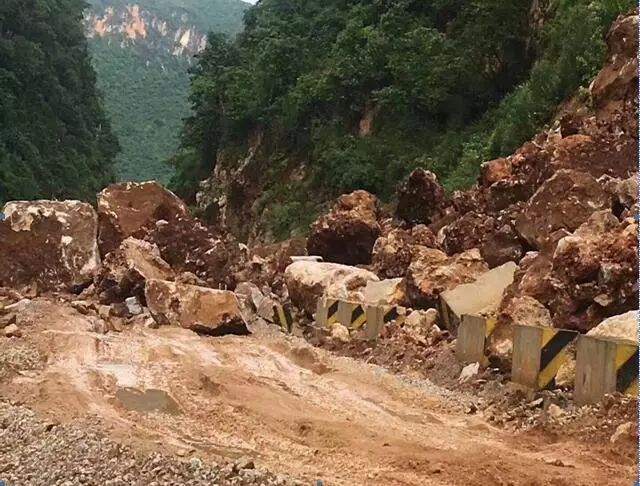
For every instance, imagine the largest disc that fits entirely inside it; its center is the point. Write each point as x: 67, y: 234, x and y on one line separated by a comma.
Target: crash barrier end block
x: 356, y: 316
x: 471, y: 343
x: 538, y: 354
x: 604, y: 366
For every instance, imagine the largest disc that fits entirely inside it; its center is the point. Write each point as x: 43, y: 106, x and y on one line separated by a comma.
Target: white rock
x: 309, y: 281
x: 469, y: 372
x: 133, y: 306
x: 622, y: 430
x: 623, y: 326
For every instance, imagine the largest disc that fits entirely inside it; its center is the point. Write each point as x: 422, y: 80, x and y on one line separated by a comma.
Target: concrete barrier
x: 538, y: 354
x: 356, y: 316
x: 603, y: 366
x: 473, y: 332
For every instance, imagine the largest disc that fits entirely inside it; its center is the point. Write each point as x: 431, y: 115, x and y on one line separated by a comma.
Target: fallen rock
x: 187, y: 245
x: 469, y: 372
x: 127, y: 208
x: 340, y: 332
x: 494, y: 171
x: 126, y: 269
x: 432, y: 272
x: 614, y: 89
x: 393, y: 253
x: 384, y: 292
x: 133, y: 305
x: 203, y: 310
x: 555, y: 411
x: 624, y: 326
x: 527, y: 311
x: 11, y: 331
x: 347, y: 234
x: 560, y: 206
x: 421, y: 199
x: 594, y: 273
x: 622, y: 430
x: 8, y: 319
x: 421, y: 323
x: 471, y: 298
x: 50, y: 244
x: 309, y: 281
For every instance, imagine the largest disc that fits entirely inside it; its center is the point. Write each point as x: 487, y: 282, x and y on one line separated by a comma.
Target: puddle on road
x: 151, y: 400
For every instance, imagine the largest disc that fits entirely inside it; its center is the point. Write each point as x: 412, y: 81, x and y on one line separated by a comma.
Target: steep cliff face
x: 142, y: 50
x: 132, y: 26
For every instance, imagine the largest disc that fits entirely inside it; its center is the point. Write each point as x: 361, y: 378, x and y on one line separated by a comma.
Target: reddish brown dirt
x: 295, y: 409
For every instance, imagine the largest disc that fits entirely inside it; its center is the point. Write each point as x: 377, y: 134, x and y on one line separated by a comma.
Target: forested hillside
x: 55, y: 140
x: 142, y: 51
x: 326, y: 97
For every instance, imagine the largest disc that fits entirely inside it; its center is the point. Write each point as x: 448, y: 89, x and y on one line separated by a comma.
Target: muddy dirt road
x: 294, y: 409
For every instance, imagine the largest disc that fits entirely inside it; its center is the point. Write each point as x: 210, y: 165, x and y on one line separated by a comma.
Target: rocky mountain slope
x: 323, y: 99
x: 142, y: 51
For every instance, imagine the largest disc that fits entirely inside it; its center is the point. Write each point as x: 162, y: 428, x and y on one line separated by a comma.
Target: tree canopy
x: 55, y: 140
x: 445, y: 84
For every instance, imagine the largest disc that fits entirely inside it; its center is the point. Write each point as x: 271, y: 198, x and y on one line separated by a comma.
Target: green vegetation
x: 55, y: 140
x: 451, y: 83
x: 146, y: 105
x: 146, y: 86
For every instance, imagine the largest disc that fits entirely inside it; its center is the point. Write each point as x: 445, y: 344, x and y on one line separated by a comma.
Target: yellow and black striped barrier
x: 538, y: 354
x: 471, y: 342
x: 356, y: 316
x: 604, y: 366
x: 282, y: 317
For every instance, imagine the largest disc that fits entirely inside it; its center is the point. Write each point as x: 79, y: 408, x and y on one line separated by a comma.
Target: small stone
x: 469, y: 372
x: 133, y: 306
x: 555, y: 411
x: 11, y: 331
x: 244, y: 463
x: 339, y: 332
x: 7, y: 320
x: 622, y: 430
x: 536, y: 403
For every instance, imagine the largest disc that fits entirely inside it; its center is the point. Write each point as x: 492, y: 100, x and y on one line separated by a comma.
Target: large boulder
x: 494, y: 171
x: 203, y: 310
x: 384, y: 292
x: 623, y: 326
x: 347, y: 234
x: 480, y: 296
x: 598, y: 155
x: 51, y: 244
x: 431, y: 272
x: 126, y: 270
x: 560, y: 206
x: 421, y: 198
x: 393, y: 253
x: 597, y: 266
x: 127, y: 208
x: 615, y: 88
x: 591, y: 275
x: 189, y: 246
x: 309, y: 281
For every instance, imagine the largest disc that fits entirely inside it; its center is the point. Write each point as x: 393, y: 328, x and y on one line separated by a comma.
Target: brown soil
x: 294, y: 409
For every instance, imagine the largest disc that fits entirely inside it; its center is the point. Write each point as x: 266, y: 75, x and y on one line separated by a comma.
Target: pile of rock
x: 562, y: 208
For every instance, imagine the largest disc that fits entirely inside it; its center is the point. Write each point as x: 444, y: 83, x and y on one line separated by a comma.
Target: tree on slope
x: 55, y: 141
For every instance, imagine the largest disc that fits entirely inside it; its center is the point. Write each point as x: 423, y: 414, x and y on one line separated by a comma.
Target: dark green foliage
x: 55, y: 140
x: 450, y: 84
x: 146, y: 105
x: 146, y: 87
